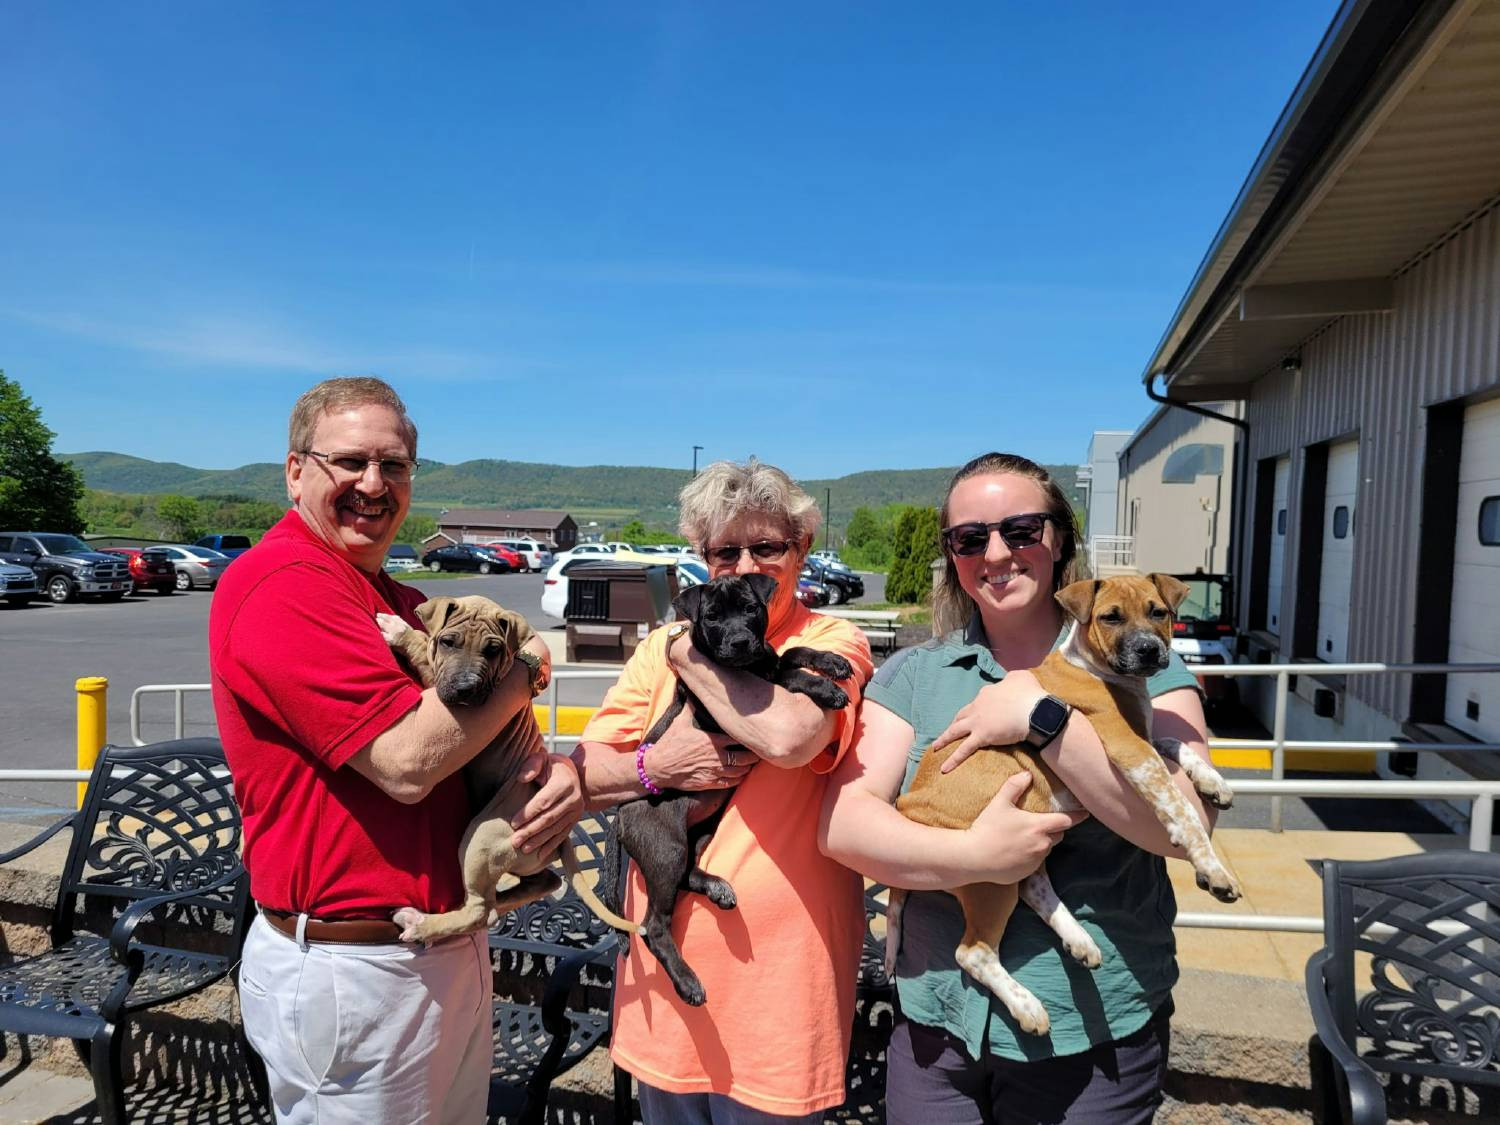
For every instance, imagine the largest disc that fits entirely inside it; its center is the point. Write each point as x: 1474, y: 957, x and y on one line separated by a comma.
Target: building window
x: 1341, y: 522
x: 1489, y: 521
x: 1281, y: 522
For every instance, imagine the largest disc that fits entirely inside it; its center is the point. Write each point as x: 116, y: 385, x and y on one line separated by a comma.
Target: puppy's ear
x: 763, y: 585
x: 435, y: 611
x: 1171, y: 589
x: 689, y: 603
x: 1078, y: 598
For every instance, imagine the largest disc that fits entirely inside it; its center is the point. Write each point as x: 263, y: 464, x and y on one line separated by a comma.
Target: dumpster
x: 613, y: 606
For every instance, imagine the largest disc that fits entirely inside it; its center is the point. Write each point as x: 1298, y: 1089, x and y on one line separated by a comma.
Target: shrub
x: 915, y: 548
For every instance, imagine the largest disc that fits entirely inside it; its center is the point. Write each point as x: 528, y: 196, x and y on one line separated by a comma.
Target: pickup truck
x: 230, y: 545
x: 66, y: 566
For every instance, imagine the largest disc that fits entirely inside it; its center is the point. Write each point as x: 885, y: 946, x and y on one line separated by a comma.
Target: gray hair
x: 725, y: 490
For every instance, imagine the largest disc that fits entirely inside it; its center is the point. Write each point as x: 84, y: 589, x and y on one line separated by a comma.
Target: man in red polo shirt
x: 347, y: 774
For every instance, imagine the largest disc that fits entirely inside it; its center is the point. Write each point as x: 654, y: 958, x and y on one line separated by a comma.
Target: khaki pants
x: 370, y: 1034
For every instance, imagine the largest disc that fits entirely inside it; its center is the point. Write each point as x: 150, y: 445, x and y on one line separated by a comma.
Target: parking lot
x: 149, y: 639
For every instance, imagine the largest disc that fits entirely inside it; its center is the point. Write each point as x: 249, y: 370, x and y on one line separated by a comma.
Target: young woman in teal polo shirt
x: 956, y: 1055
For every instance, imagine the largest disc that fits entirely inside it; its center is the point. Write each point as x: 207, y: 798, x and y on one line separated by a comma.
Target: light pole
x: 695, y: 459
x: 827, y: 514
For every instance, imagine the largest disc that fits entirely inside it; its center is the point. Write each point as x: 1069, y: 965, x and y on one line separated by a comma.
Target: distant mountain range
x: 616, y: 492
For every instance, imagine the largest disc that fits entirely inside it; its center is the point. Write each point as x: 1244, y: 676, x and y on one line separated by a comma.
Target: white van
x: 534, y: 556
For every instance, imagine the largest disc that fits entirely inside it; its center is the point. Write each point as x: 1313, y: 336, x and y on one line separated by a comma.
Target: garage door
x: 1338, y: 552
x: 1279, y: 520
x: 1474, y: 633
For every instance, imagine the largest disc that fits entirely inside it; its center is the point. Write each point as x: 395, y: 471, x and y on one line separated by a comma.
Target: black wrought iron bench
x: 1427, y: 1012
x: 554, y: 986
x: 157, y: 838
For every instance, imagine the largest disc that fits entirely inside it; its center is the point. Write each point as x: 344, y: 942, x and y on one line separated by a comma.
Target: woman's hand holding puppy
x: 687, y: 757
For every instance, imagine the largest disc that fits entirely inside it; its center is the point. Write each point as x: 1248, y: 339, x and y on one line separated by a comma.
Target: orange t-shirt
x: 780, y: 968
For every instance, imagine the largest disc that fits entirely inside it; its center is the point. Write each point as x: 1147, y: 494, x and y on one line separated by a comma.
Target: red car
x: 517, y: 563
x: 148, y: 568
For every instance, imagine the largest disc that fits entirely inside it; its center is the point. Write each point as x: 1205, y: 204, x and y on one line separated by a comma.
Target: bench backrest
x: 155, y: 819
x: 562, y: 922
x: 1431, y: 925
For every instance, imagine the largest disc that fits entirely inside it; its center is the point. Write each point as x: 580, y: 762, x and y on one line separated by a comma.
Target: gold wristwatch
x: 533, y: 664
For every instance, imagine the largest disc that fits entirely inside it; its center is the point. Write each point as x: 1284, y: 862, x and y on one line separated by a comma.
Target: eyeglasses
x: 1024, y: 530
x: 768, y: 550
x: 397, y: 469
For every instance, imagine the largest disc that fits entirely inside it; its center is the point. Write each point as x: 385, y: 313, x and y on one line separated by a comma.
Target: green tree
x: 181, y: 516
x: 416, y: 528
x: 634, y: 532
x: 37, y: 491
x: 914, y: 550
x: 867, y: 541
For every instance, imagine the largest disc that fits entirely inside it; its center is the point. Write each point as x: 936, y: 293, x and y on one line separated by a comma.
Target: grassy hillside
x: 609, y: 494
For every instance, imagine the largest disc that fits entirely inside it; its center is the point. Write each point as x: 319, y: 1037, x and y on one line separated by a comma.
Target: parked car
x: 230, y: 545
x: 595, y: 550
x: 18, y: 584
x: 65, y: 565
x: 466, y: 556
x: 150, y: 569
x: 831, y: 559
x: 1203, y: 632
x: 811, y: 594
x: 511, y: 556
x: 555, y: 585
x: 534, y: 555
x: 402, y: 557
x: 843, y: 584
x: 196, y: 566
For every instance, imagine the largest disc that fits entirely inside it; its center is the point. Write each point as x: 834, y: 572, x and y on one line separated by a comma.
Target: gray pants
x: 659, y: 1107
x: 930, y: 1078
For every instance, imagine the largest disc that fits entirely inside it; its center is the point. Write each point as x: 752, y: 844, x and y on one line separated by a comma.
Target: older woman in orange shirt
x: 779, y: 970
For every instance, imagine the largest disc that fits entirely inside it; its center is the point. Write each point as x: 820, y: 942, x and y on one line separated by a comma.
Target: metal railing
x: 1279, y: 744
x: 1111, y: 551
x: 1481, y: 794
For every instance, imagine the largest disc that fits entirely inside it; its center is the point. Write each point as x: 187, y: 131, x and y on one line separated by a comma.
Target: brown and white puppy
x: 1121, y: 635
x: 469, y: 645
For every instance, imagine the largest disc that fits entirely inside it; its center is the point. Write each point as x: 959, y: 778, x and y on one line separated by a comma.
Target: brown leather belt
x: 350, y: 931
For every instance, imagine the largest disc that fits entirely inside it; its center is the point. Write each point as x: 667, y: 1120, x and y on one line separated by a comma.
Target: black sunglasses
x: 1024, y: 530
x: 768, y: 550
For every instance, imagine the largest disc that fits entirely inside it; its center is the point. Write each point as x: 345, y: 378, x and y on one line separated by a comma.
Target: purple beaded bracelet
x: 640, y: 768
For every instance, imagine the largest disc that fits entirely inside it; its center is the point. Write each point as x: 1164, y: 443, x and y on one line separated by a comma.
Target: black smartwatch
x: 1048, y: 718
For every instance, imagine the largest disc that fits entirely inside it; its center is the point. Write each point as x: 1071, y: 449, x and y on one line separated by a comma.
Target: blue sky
x: 841, y: 236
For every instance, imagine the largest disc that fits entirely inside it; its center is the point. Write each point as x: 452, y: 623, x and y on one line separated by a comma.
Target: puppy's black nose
x: 1147, y: 648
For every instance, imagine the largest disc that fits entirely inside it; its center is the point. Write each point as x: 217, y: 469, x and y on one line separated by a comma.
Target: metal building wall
x: 1371, y: 376
x: 1173, y: 533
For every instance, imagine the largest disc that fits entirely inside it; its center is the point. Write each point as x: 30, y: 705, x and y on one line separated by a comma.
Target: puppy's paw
x: 411, y: 920
x: 832, y: 664
x: 392, y: 628
x: 1219, y: 883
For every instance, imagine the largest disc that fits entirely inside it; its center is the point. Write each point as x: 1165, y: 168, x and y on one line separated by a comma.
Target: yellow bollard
x: 93, y: 694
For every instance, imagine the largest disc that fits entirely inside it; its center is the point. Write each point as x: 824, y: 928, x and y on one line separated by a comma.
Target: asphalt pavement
x: 154, y: 639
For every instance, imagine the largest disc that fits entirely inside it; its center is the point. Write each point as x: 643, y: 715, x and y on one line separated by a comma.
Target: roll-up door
x: 1279, y: 520
x: 1473, y: 704
x: 1338, y: 551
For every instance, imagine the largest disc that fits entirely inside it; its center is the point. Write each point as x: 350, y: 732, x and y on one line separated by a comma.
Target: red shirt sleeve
x: 304, y: 651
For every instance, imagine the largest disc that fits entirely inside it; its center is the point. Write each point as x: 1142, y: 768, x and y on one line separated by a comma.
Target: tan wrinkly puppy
x: 1121, y: 635
x: 469, y: 645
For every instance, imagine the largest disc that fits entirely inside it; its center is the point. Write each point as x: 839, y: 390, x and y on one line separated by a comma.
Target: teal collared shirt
x: 1118, y: 892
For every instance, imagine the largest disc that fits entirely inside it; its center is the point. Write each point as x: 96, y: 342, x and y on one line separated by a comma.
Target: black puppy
x: 665, y: 834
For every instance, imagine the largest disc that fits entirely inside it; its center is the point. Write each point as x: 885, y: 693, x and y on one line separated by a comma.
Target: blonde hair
x: 345, y: 393
x: 725, y: 490
x: 951, y: 607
